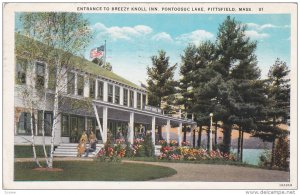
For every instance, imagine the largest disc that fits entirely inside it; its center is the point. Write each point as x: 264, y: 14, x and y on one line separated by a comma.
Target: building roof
x: 90, y: 67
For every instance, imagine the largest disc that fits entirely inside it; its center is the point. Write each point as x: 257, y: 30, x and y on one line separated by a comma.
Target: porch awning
x: 119, y: 112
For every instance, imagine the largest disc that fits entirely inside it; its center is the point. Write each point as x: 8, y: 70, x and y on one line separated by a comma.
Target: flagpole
x: 104, y: 52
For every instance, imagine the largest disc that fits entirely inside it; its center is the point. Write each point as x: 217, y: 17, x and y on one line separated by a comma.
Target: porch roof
x: 160, y: 116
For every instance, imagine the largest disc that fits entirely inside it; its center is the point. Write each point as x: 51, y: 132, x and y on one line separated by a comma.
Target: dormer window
x: 40, y: 75
x: 125, y: 97
x: 117, y: 95
x: 21, y: 71
x: 139, y: 101
x: 100, y: 90
x: 131, y: 98
x: 80, y: 85
x: 110, y: 93
x: 92, y: 88
x: 52, y: 77
x: 144, y: 101
x: 71, y: 83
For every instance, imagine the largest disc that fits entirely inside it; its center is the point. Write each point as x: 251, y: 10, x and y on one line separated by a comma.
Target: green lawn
x: 92, y: 171
x: 26, y: 151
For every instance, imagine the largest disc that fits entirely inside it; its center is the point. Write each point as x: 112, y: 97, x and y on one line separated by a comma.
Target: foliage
x: 112, y: 152
x: 138, y: 147
x: 160, y: 79
x: 148, y: 146
x: 282, y: 153
x: 53, y: 38
x: 99, y: 62
x: 188, y: 63
x: 223, y: 78
x: 192, y: 154
x: 265, y: 158
x: 128, y: 150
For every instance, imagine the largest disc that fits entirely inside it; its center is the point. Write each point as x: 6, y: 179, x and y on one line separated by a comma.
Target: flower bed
x: 144, y: 148
x: 192, y: 154
x: 139, y: 148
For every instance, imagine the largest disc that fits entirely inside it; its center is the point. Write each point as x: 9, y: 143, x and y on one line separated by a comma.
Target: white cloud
x: 163, y: 36
x: 126, y: 32
x: 256, y: 35
x: 195, y: 36
x: 264, y: 26
x: 143, y: 29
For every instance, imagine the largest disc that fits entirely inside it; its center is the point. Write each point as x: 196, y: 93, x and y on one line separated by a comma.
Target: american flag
x: 97, y: 52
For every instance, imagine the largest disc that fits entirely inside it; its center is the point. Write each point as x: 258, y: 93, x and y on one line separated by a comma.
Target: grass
x: 92, y: 171
x: 26, y: 151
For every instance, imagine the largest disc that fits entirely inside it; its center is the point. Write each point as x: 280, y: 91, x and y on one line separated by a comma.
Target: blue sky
x: 132, y: 39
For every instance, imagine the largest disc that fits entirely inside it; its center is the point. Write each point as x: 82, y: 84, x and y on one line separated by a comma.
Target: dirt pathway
x: 219, y: 173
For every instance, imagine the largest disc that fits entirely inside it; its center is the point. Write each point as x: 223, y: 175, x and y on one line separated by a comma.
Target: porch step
x: 70, y: 150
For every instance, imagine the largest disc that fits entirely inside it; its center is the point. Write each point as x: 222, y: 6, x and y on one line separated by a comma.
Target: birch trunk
x: 43, y: 131
x: 32, y: 138
x: 55, y: 114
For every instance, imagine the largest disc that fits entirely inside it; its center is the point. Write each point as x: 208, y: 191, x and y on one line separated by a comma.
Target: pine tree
x: 277, y: 110
x: 100, y: 62
x: 186, y: 77
x: 237, y: 65
x: 204, y: 84
x: 185, y: 83
x: 160, y: 79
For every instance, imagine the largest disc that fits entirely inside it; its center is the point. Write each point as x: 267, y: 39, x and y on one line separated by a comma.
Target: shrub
x: 192, y: 154
x: 111, y: 152
x: 282, y: 153
x: 148, y: 146
x: 265, y: 158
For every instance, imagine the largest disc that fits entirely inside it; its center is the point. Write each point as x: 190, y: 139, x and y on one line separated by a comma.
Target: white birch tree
x: 57, y: 38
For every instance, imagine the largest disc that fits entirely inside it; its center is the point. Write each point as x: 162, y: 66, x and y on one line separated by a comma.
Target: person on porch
x: 93, y: 144
x: 74, y: 136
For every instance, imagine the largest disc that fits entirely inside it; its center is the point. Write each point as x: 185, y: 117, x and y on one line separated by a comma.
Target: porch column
x: 179, y: 133
x: 105, y: 109
x: 134, y: 99
x: 105, y: 88
x: 96, y: 89
x: 121, y: 96
x: 168, y: 130
x: 76, y: 81
x: 153, y: 130
x: 98, y: 121
x: 131, y: 127
x: 114, y: 93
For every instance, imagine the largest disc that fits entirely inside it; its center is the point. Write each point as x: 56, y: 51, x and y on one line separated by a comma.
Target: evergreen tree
x: 204, y: 84
x: 100, y: 62
x: 277, y: 110
x: 186, y: 77
x: 279, y: 92
x: 185, y: 83
x: 237, y: 65
x: 160, y: 79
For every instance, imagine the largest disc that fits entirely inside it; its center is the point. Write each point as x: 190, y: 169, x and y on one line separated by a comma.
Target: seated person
x: 84, y: 136
x: 81, y: 148
x: 93, y: 144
